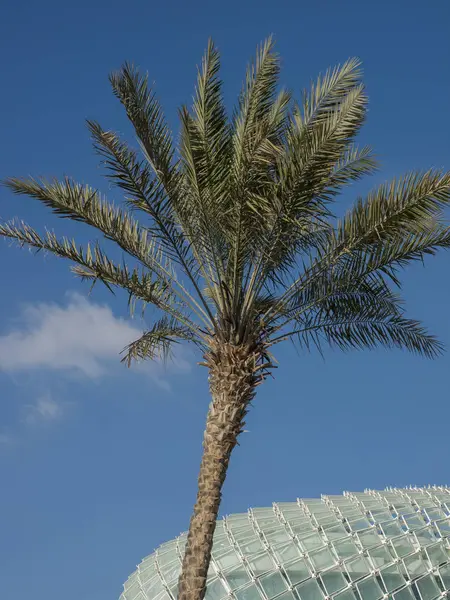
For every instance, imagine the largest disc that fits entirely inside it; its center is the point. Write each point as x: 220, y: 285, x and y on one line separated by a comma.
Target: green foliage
x: 231, y: 231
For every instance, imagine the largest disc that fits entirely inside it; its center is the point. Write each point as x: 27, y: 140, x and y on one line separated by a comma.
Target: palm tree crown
x: 236, y: 246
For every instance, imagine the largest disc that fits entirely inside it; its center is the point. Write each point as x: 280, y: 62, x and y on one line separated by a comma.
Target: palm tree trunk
x: 233, y: 376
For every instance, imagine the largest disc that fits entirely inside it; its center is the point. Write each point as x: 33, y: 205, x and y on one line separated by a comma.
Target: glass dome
x: 359, y: 546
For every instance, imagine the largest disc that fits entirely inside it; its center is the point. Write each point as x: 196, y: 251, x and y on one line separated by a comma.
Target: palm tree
x: 236, y: 247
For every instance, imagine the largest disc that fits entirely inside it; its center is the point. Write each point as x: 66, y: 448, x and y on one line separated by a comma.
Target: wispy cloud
x: 45, y: 409
x: 6, y: 439
x: 82, y: 337
x: 79, y: 337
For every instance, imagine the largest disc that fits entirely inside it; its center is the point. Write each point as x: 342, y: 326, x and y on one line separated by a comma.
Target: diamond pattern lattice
x: 359, y: 546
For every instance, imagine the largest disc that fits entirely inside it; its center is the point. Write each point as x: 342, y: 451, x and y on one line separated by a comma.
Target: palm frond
x: 157, y: 342
x: 363, y: 316
x: 200, y: 205
x: 322, y: 131
x: 210, y: 132
x: 147, y: 118
x: 147, y: 194
x: 394, y: 332
x: 317, y: 161
x: 403, y: 205
x: 136, y: 178
x: 94, y: 265
x: 353, y: 165
x: 82, y: 203
x: 257, y: 134
x: 329, y: 91
x: 396, y: 224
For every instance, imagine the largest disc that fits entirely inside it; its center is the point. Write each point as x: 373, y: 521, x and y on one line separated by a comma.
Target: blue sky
x: 98, y: 464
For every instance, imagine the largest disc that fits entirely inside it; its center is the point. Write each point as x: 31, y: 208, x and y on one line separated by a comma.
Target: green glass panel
x: 350, y: 512
x: 212, y: 572
x: 166, y: 558
x: 237, y: 577
x: 171, y: 571
x: 379, y: 556
x: 437, y: 555
x: 273, y: 584
x: 287, y: 552
x: 358, y: 524
x: 357, y: 568
x: 250, y: 592
x: 267, y: 531
x: 444, y: 573
x: 277, y: 537
x: 435, y: 513
x: 380, y: 515
x: 227, y: 560
x: 167, y: 547
x: 309, y: 590
x: 402, y: 546
x: 336, y: 532
x: 261, y: 564
x: 415, y: 566
x: 292, y: 515
x: 146, y: 575
x: 300, y: 519
x: 287, y: 506
x: 251, y: 546
x: 404, y: 594
x: 368, y: 538
x: 345, y: 549
x: 287, y: 596
x: 425, y: 536
x: 369, y: 589
x: 428, y: 588
x: 300, y: 528
x: 244, y: 534
x: 333, y: 581
x: 237, y: 520
x: 263, y: 513
x: 444, y: 527
x: 392, y: 578
x: 413, y: 521
x: 391, y: 529
x: 221, y: 546
x: 153, y: 587
x: 325, y: 519
x: 402, y: 508
x: 133, y: 590
x: 322, y: 559
x: 130, y: 581
x: 345, y: 595
x: 297, y: 571
x: 147, y: 563
x: 311, y: 542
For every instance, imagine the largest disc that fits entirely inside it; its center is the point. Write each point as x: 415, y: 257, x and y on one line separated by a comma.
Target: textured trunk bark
x: 233, y: 376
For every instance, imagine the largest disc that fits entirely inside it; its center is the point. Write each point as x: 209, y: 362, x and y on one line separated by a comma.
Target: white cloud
x: 80, y: 337
x: 44, y: 409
